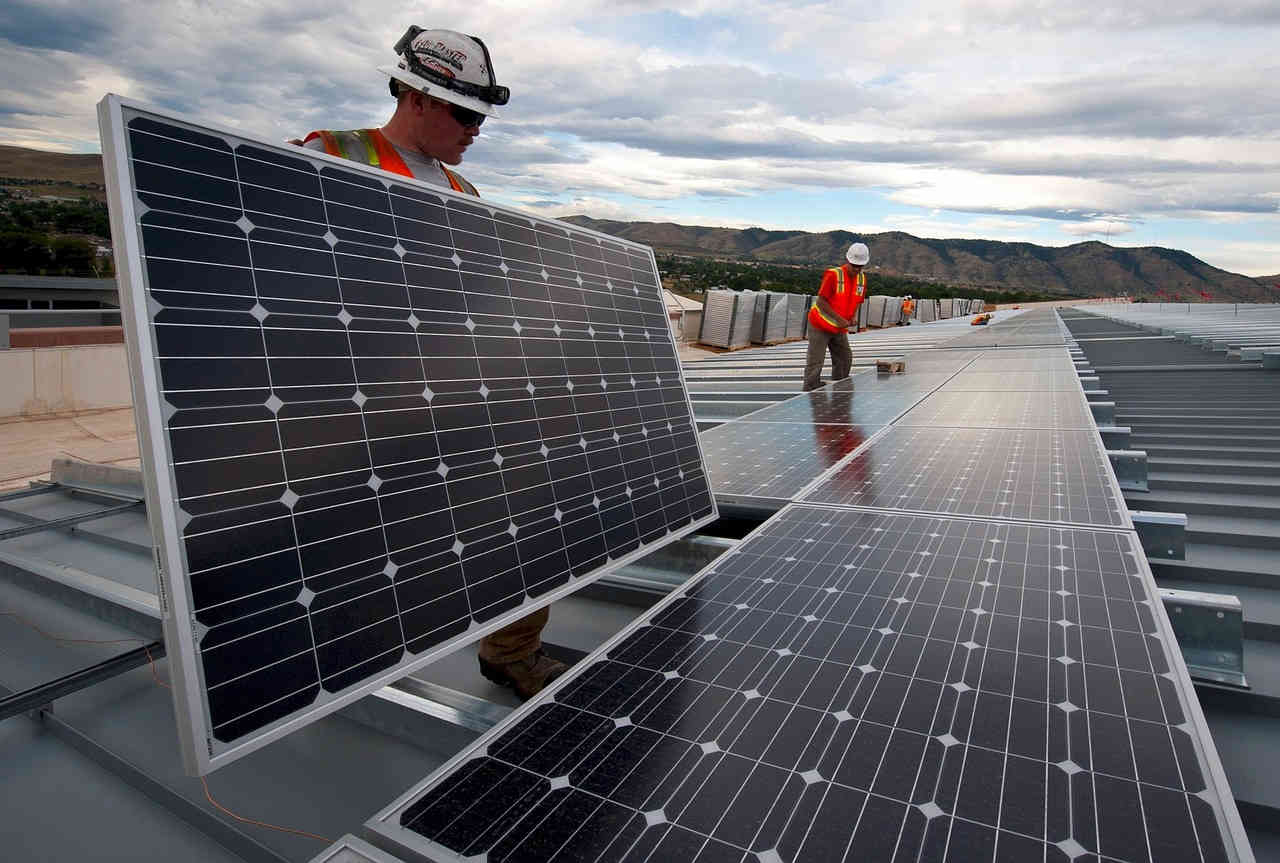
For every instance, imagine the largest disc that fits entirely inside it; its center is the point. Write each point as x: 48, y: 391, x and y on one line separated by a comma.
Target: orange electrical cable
x: 241, y: 818
x: 155, y: 675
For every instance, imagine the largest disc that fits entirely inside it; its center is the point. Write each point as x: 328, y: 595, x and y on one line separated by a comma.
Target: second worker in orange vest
x: 833, y: 311
x: 444, y: 87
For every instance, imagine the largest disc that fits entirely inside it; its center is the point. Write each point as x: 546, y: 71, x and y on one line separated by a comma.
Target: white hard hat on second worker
x: 449, y: 66
x: 858, y: 254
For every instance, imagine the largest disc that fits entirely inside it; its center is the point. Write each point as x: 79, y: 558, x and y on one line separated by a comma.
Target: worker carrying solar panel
x: 908, y: 309
x: 444, y: 86
x: 833, y: 311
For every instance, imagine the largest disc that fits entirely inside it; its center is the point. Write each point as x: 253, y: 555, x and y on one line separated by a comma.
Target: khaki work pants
x: 515, y: 641
x: 820, y: 343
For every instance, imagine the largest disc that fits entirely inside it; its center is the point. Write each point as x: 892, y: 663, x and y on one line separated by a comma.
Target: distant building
x: 683, y: 314
x: 60, y: 294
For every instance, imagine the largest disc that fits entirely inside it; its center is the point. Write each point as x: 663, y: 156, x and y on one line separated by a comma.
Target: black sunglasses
x: 465, y: 116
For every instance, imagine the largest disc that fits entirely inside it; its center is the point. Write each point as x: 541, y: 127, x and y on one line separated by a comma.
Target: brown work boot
x: 527, y: 677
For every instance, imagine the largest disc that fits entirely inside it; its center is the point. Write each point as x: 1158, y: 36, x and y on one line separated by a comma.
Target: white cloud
x: 997, y: 113
x: 1098, y: 228
x: 1249, y: 258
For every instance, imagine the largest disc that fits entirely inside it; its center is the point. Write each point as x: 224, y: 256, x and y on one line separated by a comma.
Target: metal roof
x: 1209, y: 423
x: 1213, y: 441
x: 677, y: 303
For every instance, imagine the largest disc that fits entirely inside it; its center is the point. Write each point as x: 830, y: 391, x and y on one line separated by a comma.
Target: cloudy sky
x: 1148, y: 122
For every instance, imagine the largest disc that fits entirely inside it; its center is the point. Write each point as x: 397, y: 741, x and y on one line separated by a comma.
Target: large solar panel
x: 377, y: 419
x: 764, y: 460
x: 859, y: 686
x: 1023, y: 360
x: 1009, y: 381
x: 1030, y: 474
x: 866, y: 399
x: 938, y: 360
x: 1035, y: 327
x: 1016, y: 409
x: 765, y: 465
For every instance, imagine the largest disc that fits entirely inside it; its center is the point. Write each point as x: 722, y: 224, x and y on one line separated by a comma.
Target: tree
x: 25, y: 252
x: 72, y: 256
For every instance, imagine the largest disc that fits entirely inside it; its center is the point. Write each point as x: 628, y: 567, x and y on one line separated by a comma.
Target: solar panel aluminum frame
x: 201, y: 754
x: 384, y: 829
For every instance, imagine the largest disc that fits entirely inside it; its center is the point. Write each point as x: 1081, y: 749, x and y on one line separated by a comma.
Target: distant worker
x: 444, y: 87
x: 908, y: 309
x: 833, y: 311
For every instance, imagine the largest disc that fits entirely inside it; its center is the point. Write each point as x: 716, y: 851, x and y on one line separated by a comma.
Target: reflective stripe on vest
x: 459, y: 184
x: 827, y: 319
x: 371, y: 147
x: 831, y: 325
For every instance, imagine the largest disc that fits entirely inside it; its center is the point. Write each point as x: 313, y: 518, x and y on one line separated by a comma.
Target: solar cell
x: 378, y: 419
x: 765, y: 465
x: 1030, y: 474
x: 859, y: 686
x: 1053, y: 410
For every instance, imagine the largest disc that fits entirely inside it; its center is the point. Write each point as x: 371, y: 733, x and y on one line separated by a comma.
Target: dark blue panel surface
x: 1030, y: 474
x: 390, y: 415
x: 761, y: 462
x: 856, y: 686
x: 1016, y: 409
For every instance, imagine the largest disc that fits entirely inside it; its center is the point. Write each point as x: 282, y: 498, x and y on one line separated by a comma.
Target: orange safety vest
x: 908, y: 306
x: 371, y: 147
x: 844, y: 302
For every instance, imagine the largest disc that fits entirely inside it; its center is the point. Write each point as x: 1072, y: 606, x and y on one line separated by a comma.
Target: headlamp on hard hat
x: 491, y: 92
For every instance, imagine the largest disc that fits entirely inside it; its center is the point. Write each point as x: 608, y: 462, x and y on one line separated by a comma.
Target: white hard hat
x: 858, y: 254
x: 449, y: 66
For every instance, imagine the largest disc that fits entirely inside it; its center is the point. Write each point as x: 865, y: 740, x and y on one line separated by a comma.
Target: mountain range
x: 1083, y: 269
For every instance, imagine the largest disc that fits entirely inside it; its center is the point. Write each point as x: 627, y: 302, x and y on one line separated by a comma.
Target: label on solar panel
x: 859, y: 686
x: 377, y: 419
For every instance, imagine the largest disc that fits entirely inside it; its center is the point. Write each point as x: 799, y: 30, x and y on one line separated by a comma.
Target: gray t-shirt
x: 424, y: 168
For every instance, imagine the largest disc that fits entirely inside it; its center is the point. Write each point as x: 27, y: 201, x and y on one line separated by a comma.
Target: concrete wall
x: 49, y: 380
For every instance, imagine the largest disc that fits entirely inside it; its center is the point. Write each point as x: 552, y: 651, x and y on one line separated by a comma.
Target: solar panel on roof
x: 1030, y: 474
x: 1015, y: 409
x: 765, y: 465
x: 769, y: 457
x: 1024, y: 360
x: 378, y: 419
x: 1009, y: 380
x: 859, y: 686
x: 864, y: 399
